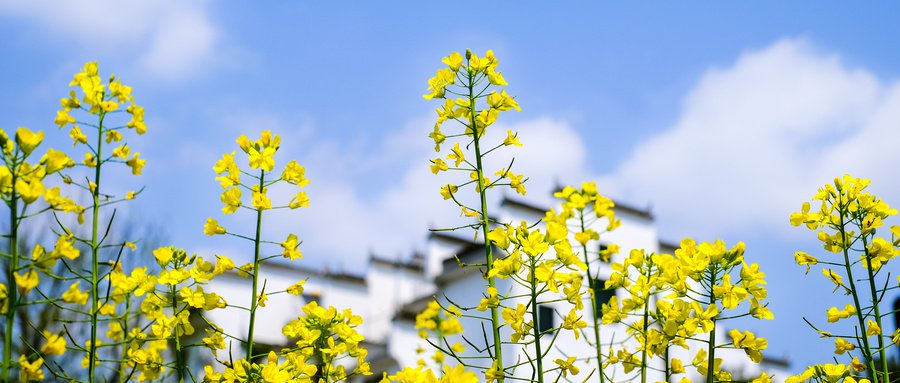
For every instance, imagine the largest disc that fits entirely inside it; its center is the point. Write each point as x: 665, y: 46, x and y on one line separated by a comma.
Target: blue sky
x: 723, y: 117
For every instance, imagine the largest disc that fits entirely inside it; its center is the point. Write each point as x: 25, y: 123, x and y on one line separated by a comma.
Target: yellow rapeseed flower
x: 27, y: 281
x: 136, y: 164
x: 55, y: 344
x: 75, y: 295
x: 28, y: 140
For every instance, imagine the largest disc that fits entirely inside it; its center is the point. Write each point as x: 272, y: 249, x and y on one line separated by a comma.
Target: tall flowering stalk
x: 261, y: 158
x: 477, y: 105
x: 580, y: 211
x: 102, y: 104
x: 260, y: 155
x: 544, y: 271
x: 848, y: 219
x: 325, y: 337
x: 542, y: 278
x: 22, y: 184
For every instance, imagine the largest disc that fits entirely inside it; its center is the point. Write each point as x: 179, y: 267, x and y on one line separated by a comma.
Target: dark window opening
x: 545, y: 318
x: 897, y: 312
x: 600, y: 250
x: 261, y: 351
x: 602, y: 295
x: 311, y: 297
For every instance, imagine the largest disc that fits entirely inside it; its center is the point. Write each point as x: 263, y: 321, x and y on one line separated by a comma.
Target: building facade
x: 391, y: 292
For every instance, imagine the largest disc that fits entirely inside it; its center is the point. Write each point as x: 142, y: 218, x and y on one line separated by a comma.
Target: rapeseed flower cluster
x: 141, y: 321
x: 847, y: 219
x: 469, y: 87
x: 420, y: 374
x: 679, y: 297
x: 102, y: 102
x: 325, y: 336
x: 542, y: 279
x: 261, y: 160
x: 171, y: 300
x: 93, y: 111
x: 580, y: 211
x: 440, y: 323
x: 671, y: 298
x: 25, y: 191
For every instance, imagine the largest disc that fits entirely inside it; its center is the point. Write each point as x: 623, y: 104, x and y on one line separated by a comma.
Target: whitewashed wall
x: 384, y: 289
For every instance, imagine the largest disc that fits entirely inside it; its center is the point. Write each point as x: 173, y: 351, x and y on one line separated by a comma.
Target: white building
x: 391, y: 292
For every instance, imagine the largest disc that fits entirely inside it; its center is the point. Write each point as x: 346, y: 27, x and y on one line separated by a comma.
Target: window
x: 261, y: 351
x: 311, y: 297
x: 545, y: 318
x: 897, y: 313
x: 600, y: 251
x: 602, y: 295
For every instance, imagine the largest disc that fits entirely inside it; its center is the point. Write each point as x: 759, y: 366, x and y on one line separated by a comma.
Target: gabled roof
x: 414, y: 265
x: 409, y: 311
x: 447, y: 236
x: 619, y: 207
x: 782, y: 362
x: 305, y: 271
x: 668, y: 246
x: 471, y: 255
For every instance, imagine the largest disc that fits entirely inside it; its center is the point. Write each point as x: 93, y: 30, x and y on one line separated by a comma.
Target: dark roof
x: 619, y: 207
x: 341, y: 276
x: 445, y: 235
x: 630, y: 209
x: 471, y: 255
x: 336, y: 275
x: 380, y: 360
x: 665, y: 245
x: 523, y: 205
x: 411, y: 309
x: 414, y: 265
x: 307, y: 271
x: 782, y: 362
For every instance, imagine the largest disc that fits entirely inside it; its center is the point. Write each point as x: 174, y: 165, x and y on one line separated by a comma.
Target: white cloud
x: 755, y: 139
x: 380, y: 197
x: 178, y: 36
x: 183, y: 42
x: 349, y: 222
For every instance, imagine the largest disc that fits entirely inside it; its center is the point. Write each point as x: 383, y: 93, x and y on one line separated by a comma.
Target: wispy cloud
x: 171, y: 40
x: 380, y: 197
x: 756, y: 138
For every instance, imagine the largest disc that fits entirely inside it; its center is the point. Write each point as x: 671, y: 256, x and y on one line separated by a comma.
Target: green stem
x: 488, y: 249
x: 12, y: 288
x: 440, y: 341
x: 122, y: 366
x: 875, y: 305
x: 711, y: 362
x: 253, y: 296
x: 179, y: 362
x: 592, y: 284
x: 646, y: 325
x: 536, y: 328
x: 326, y: 374
x: 667, y: 369
x: 95, y: 253
x: 322, y: 370
x: 867, y: 352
